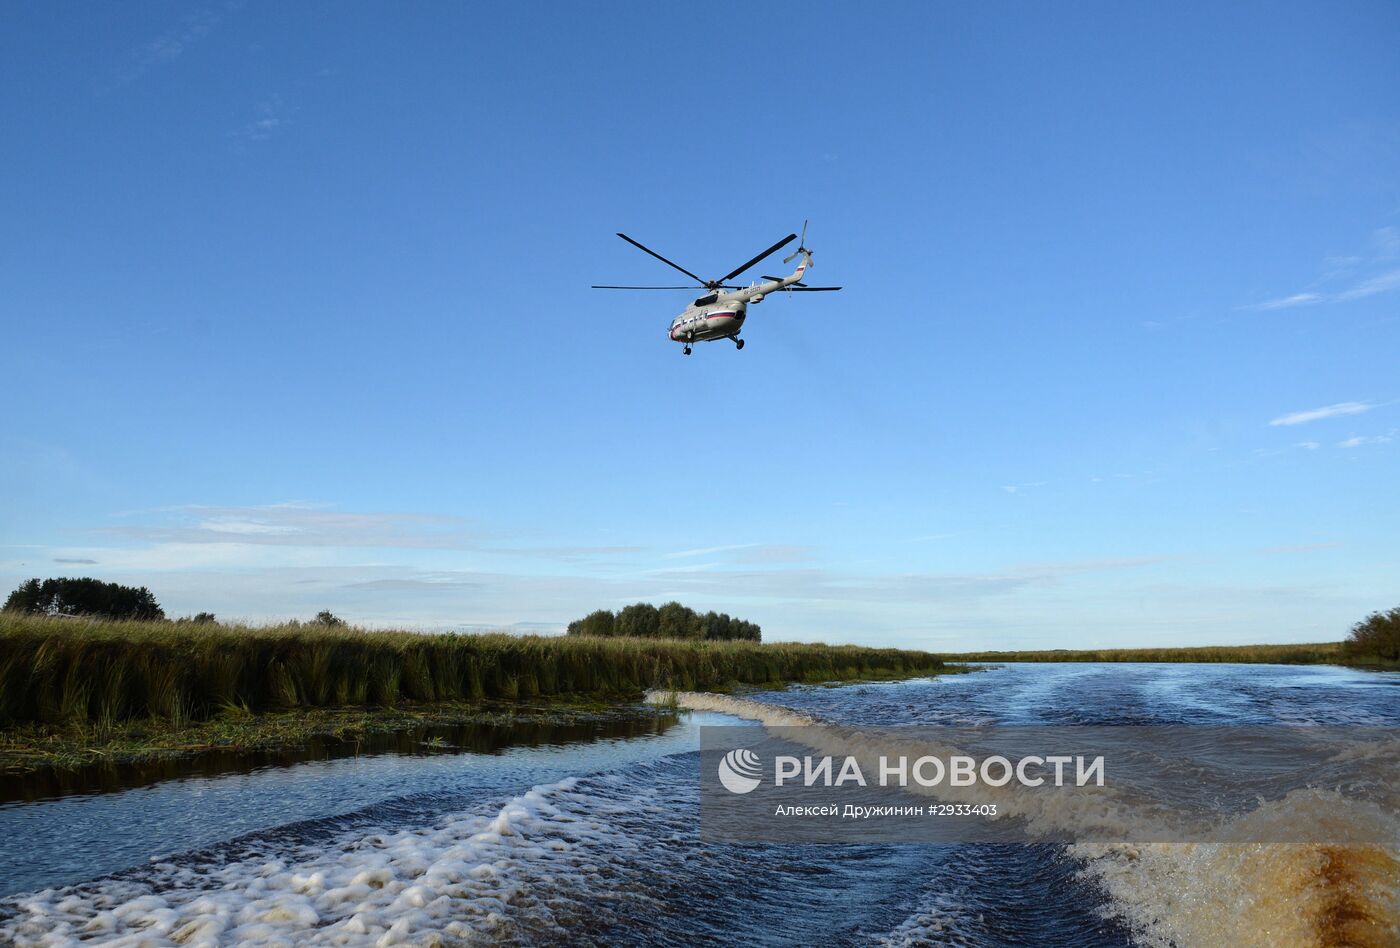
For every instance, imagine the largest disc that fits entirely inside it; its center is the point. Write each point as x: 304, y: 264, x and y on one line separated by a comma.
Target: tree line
x: 670, y: 621
x: 1376, y: 637
x: 84, y: 597
x: 93, y: 598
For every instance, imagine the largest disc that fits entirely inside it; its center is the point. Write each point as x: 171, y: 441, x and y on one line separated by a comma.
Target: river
x: 596, y: 841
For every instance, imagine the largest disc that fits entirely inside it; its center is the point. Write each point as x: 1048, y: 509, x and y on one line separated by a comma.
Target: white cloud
x: 273, y: 114
x: 1308, y: 445
x: 1081, y: 603
x: 1357, y: 441
x: 750, y: 552
x: 1297, y: 548
x: 1380, y: 283
x: 706, y: 551
x: 297, y: 525
x: 1327, y: 411
x: 1297, y: 299
x: 1368, y: 274
x: 244, y: 527
x: 193, y: 27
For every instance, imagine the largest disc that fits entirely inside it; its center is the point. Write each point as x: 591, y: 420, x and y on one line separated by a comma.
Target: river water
x: 596, y: 841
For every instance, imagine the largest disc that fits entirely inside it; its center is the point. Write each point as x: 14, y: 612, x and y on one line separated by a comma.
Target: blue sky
x: 296, y: 314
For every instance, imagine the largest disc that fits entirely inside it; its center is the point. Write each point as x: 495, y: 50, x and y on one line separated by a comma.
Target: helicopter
x: 720, y: 312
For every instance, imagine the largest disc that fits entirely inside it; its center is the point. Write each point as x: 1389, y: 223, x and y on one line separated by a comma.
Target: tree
x: 204, y: 618
x: 640, y: 620
x: 25, y: 598
x: 600, y: 622
x: 671, y: 621
x: 84, y: 597
x: 328, y: 619
x: 675, y: 621
x: 1378, y: 636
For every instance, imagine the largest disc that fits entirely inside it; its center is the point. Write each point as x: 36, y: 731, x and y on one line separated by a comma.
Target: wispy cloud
x: 298, y: 525
x: 706, y: 551
x: 166, y: 47
x: 428, y: 583
x: 1357, y: 441
x: 1326, y: 411
x: 1284, y: 302
x: 273, y: 114
x: 1350, y: 277
x: 1017, y: 488
x: 749, y: 553
x: 819, y: 585
x: 75, y: 560
x: 775, y: 553
x: 1376, y: 284
x: 567, y: 553
x: 1296, y: 548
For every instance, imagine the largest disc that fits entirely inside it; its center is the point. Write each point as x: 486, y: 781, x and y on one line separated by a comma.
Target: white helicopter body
x: 721, y: 312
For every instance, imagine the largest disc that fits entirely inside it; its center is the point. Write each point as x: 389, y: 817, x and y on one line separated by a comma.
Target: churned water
x: 597, y: 842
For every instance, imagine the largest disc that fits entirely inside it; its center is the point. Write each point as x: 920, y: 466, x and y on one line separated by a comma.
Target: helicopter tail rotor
x: 801, y: 246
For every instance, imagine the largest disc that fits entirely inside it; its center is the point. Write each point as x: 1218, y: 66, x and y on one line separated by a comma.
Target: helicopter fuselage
x: 720, y: 315
x: 704, y: 323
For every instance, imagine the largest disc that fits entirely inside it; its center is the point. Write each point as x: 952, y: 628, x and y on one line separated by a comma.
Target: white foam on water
x: 1239, y: 894
x: 550, y: 863
x: 534, y: 868
x: 770, y: 714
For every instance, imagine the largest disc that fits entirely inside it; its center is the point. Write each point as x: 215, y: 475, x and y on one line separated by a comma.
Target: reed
x: 1320, y: 653
x: 78, y: 671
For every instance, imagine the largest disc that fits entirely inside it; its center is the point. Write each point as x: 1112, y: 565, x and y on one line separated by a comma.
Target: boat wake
x: 1167, y: 894
x: 525, y: 873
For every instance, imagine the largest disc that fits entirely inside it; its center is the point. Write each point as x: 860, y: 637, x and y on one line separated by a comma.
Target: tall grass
x: 1310, y: 654
x: 96, y: 672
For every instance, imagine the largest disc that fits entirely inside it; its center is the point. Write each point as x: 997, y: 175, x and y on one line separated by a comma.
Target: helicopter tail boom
x: 763, y: 289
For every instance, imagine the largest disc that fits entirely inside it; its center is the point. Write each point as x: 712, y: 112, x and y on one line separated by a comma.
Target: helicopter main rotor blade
x: 779, y: 245
x: 809, y: 289
x: 598, y: 287
x: 663, y: 259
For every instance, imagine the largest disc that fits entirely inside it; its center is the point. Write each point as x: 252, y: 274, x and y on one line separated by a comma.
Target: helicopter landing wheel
x: 685, y: 351
x: 738, y: 343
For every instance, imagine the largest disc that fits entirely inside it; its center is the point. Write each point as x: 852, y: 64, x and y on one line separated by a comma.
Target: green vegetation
x: 31, y: 748
x: 671, y: 621
x: 58, y: 671
x: 84, y: 597
x: 1375, y: 640
x: 1313, y: 654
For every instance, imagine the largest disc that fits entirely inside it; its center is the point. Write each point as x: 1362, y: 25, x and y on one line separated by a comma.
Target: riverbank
x: 97, y: 672
x: 1316, y: 653
x: 77, y: 693
x: 35, y: 755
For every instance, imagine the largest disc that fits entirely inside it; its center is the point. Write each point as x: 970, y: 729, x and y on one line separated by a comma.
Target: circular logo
x: 739, y: 771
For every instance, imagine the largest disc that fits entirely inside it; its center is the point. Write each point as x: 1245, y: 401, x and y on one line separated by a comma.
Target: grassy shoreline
x: 1314, y: 653
x: 76, y: 693
x: 1309, y: 654
x: 34, y: 747
x: 73, y: 670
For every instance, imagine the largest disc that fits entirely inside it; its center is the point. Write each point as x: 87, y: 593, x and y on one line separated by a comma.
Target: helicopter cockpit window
x: 706, y: 300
